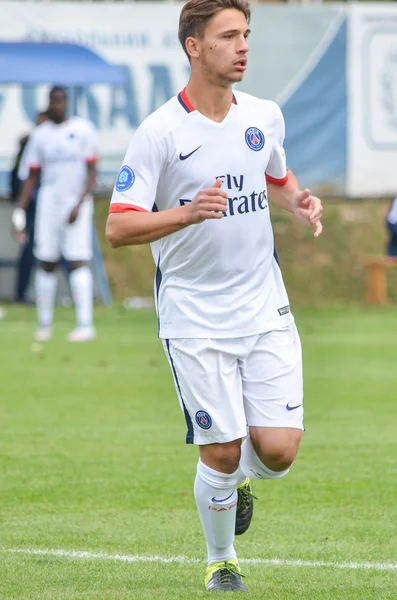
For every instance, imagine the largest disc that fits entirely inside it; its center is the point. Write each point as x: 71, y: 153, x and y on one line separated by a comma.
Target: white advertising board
x: 372, y: 101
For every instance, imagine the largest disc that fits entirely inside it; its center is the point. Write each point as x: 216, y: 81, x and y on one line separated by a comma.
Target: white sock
x: 81, y: 285
x: 46, y: 287
x: 216, y: 499
x: 252, y: 467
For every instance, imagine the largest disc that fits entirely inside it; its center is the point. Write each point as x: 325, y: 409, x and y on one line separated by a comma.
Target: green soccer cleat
x: 245, y: 507
x: 224, y: 576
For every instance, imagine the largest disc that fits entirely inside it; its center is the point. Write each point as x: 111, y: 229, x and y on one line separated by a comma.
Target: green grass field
x: 92, y: 460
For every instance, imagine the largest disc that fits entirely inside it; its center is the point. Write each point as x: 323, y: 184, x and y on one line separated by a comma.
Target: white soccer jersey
x: 220, y: 278
x: 61, y: 152
x: 23, y: 169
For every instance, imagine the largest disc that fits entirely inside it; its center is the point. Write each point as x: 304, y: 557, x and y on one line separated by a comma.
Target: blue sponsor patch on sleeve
x: 125, y: 179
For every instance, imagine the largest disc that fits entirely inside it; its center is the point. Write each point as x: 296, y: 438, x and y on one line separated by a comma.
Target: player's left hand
x: 309, y: 208
x: 74, y: 214
x: 20, y: 236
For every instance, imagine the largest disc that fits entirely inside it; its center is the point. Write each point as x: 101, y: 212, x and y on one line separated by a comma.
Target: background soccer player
x: 64, y: 151
x: 193, y: 184
x: 26, y: 258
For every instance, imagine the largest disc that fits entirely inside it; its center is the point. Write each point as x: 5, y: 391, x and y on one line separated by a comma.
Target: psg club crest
x: 126, y: 179
x: 203, y: 419
x: 254, y: 138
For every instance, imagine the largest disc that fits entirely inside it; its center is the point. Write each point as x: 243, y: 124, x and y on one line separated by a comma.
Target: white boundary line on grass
x: 278, y: 562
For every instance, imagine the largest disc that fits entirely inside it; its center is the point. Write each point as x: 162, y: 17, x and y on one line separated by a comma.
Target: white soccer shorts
x: 225, y: 385
x: 55, y: 237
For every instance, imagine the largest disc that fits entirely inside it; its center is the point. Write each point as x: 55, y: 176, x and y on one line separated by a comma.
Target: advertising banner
x: 372, y: 101
x: 332, y: 68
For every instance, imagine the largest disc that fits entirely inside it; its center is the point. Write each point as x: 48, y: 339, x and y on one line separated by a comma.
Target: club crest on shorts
x: 254, y: 138
x: 126, y: 179
x: 203, y: 419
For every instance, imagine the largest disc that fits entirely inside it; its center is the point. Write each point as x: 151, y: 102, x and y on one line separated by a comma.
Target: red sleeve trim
x: 91, y: 160
x: 118, y: 207
x: 188, y: 106
x: 34, y: 168
x: 275, y: 181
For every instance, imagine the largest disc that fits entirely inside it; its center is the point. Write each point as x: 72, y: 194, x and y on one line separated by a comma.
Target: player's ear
x: 192, y: 47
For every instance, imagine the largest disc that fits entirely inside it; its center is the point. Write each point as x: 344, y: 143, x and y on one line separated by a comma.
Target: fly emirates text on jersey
x: 238, y: 204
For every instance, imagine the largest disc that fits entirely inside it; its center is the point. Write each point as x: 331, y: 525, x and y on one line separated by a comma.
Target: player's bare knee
x: 279, y: 457
x: 76, y: 264
x: 48, y: 267
x: 282, y: 459
x: 276, y: 448
x: 224, y: 458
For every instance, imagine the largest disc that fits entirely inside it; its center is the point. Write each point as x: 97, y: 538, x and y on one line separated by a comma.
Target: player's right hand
x: 74, y: 214
x: 209, y: 203
x: 18, y: 220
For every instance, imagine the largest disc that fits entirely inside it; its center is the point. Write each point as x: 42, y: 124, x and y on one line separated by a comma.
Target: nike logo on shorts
x: 288, y: 407
x: 185, y: 156
x: 221, y: 499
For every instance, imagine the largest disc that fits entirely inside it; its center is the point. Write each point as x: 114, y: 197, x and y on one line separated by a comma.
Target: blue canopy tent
x: 57, y: 63
x: 70, y: 65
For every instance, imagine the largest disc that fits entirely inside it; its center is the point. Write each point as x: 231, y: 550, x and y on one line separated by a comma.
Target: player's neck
x: 211, y: 101
x: 58, y: 120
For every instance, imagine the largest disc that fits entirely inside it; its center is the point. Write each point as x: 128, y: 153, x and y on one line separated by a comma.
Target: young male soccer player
x: 193, y: 185
x: 26, y: 257
x: 64, y: 150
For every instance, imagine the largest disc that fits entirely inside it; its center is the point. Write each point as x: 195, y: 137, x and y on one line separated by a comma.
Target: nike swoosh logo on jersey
x: 214, y: 499
x: 288, y: 407
x: 185, y: 156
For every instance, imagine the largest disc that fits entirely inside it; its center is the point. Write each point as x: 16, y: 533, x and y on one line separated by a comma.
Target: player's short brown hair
x: 196, y: 14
